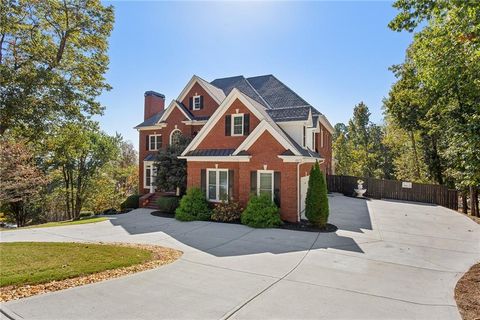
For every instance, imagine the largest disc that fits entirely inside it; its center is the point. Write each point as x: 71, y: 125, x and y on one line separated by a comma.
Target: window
x: 321, y: 137
x: 237, y: 127
x: 217, y: 184
x: 197, y: 103
x: 155, y: 142
x: 265, y: 182
x: 314, y: 147
x: 304, y: 137
x: 175, y: 137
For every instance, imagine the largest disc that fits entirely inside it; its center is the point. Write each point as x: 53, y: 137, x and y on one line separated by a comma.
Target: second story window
x: 197, y: 102
x: 304, y: 137
x: 155, y: 142
x: 237, y: 127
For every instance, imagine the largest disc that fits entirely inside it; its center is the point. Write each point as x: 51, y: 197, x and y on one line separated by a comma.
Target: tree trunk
x: 415, y: 155
x: 464, y: 202
x: 474, y: 201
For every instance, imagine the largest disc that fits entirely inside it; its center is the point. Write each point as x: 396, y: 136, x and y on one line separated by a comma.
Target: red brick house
x: 250, y: 135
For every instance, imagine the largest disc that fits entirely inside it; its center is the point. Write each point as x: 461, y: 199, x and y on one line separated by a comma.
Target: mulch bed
x: 304, y: 225
x: 160, y: 256
x: 467, y: 294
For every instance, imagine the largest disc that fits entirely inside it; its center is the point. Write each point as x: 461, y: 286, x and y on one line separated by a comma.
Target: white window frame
x: 313, y: 140
x: 237, y: 115
x: 272, y: 172
x: 217, y: 184
x: 194, y: 99
x: 156, y: 136
x: 304, y: 136
x: 171, y: 135
x: 146, y: 166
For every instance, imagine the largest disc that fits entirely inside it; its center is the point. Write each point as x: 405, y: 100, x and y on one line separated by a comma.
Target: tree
x: 172, y: 171
x: 445, y: 57
x: 21, y: 180
x: 53, y: 55
x: 342, y: 153
x: 316, y: 203
x: 80, y: 151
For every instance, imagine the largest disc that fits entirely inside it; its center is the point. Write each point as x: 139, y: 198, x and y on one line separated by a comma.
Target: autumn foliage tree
x: 21, y: 182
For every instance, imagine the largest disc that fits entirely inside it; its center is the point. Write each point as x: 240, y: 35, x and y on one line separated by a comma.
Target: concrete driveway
x: 388, y: 260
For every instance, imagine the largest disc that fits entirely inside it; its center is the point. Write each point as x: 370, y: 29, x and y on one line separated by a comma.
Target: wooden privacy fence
x: 393, y: 189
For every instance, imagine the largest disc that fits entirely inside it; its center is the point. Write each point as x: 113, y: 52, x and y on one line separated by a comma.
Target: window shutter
x: 159, y: 142
x: 246, y: 124
x: 228, y: 123
x: 203, y: 181
x: 253, y: 182
x: 276, y: 188
x: 201, y: 102
x: 230, y: 184
x: 147, y: 144
x: 190, y: 103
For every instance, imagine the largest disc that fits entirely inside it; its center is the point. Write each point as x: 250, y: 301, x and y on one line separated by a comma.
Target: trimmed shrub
x: 316, y: 203
x: 130, y: 202
x: 168, y: 204
x: 193, y: 206
x: 227, y: 211
x: 86, y: 214
x: 261, y: 212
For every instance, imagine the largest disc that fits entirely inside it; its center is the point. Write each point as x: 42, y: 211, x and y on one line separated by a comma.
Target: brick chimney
x: 154, y: 103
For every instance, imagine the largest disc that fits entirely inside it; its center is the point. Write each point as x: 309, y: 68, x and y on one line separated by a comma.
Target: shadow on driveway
x: 222, y: 239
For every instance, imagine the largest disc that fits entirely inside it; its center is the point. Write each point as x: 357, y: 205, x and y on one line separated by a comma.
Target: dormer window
x: 197, y: 102
x: 304, y: 137
x: 237, y: 127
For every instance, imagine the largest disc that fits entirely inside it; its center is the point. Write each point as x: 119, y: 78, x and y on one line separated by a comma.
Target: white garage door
x: 303, y: 194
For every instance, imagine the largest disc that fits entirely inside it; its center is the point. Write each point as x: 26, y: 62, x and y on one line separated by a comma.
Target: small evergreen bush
x: 261, y: 212
x: 193, y: 206
x: 131, y: 202
x: 316, y: 203
x: 168, y: 204
x: 227, y: 211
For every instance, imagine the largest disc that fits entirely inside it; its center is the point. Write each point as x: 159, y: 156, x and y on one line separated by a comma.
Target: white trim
x: 257, y: 132
x: 221, y: 110
x: 321, y: 137
x: 273, y: 181
x: 217, y: 96
x: 199, y: 97
x: 145, y: 165
x: 232, y: 126
x: 217, y: 184
x: 300, y: 159
x: 217, y: 159
x: 171, y: 135
x: 324, y: 121
x: 150, y: 136
x: 174, y: 104
x: 154, y: 127
x: 194, y: 122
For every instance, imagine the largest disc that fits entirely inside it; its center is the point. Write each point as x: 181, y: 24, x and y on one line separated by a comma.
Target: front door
x: 303, y: 195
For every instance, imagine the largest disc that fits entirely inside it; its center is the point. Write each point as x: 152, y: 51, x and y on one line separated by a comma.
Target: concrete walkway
x: 388, y: 260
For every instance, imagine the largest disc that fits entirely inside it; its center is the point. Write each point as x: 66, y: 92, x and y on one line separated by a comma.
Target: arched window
x: 175, y: 136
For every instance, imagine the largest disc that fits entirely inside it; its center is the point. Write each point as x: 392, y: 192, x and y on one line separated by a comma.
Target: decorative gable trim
x: 216, y: 93
x: 258, y: 131
x: 256, y: 109
x: 174, y: 104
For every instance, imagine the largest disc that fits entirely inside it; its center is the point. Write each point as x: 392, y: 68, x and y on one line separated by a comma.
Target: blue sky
x: 333, y: 54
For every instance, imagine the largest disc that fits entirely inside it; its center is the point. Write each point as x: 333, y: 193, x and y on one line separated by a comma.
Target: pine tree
x: 316, y: 203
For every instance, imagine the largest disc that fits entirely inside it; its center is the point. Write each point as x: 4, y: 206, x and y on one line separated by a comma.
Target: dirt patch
x: 160, y: 256
x: 467, y: 294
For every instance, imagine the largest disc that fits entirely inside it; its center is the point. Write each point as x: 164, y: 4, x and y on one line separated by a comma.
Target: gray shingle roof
x: 149, y: 157
x: 152, y: 120
x: 239, y: 82
x: 211, y: 152
x: 289, y: 114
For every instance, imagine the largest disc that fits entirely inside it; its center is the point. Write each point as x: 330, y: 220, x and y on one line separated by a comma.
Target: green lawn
x: 39, y: 262
x: 64, y: 223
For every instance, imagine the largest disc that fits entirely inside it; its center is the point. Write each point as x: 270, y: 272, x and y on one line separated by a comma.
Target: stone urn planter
x: 360, y: 191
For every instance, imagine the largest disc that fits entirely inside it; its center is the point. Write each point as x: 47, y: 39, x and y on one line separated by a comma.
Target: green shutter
x: 228, y: 123
x: 246, y: 124
x: 253, y: 182
x: 203, y: 181
x: 230, y: 184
